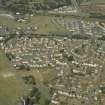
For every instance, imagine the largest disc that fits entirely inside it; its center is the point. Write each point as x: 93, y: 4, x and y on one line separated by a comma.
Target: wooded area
x: 25, y: 6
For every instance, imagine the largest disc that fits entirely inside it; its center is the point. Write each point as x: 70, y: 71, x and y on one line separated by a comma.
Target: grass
x: 10, y: 86
x: 95, y: 1
x: 100, y: 1
x: 43, y: 23
x: 6, y: 21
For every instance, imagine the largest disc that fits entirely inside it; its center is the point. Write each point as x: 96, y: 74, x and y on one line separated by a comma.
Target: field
x: 43, y: 23
x: 10, y: 85
x: 100, y: 1
x: 94, y: 1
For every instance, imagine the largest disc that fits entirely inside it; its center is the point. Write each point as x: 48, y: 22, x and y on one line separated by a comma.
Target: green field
x: 11, y: 87
x: 94, y: 1
x: 43, y: 23
x: 100, y: 1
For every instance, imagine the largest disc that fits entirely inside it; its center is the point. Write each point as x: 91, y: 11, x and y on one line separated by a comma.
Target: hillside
x: 25, y: 6
x: 10, y: 85
x: 30, y: 6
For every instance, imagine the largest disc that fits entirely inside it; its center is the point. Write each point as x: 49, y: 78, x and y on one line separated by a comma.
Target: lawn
x: 11, y: 87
